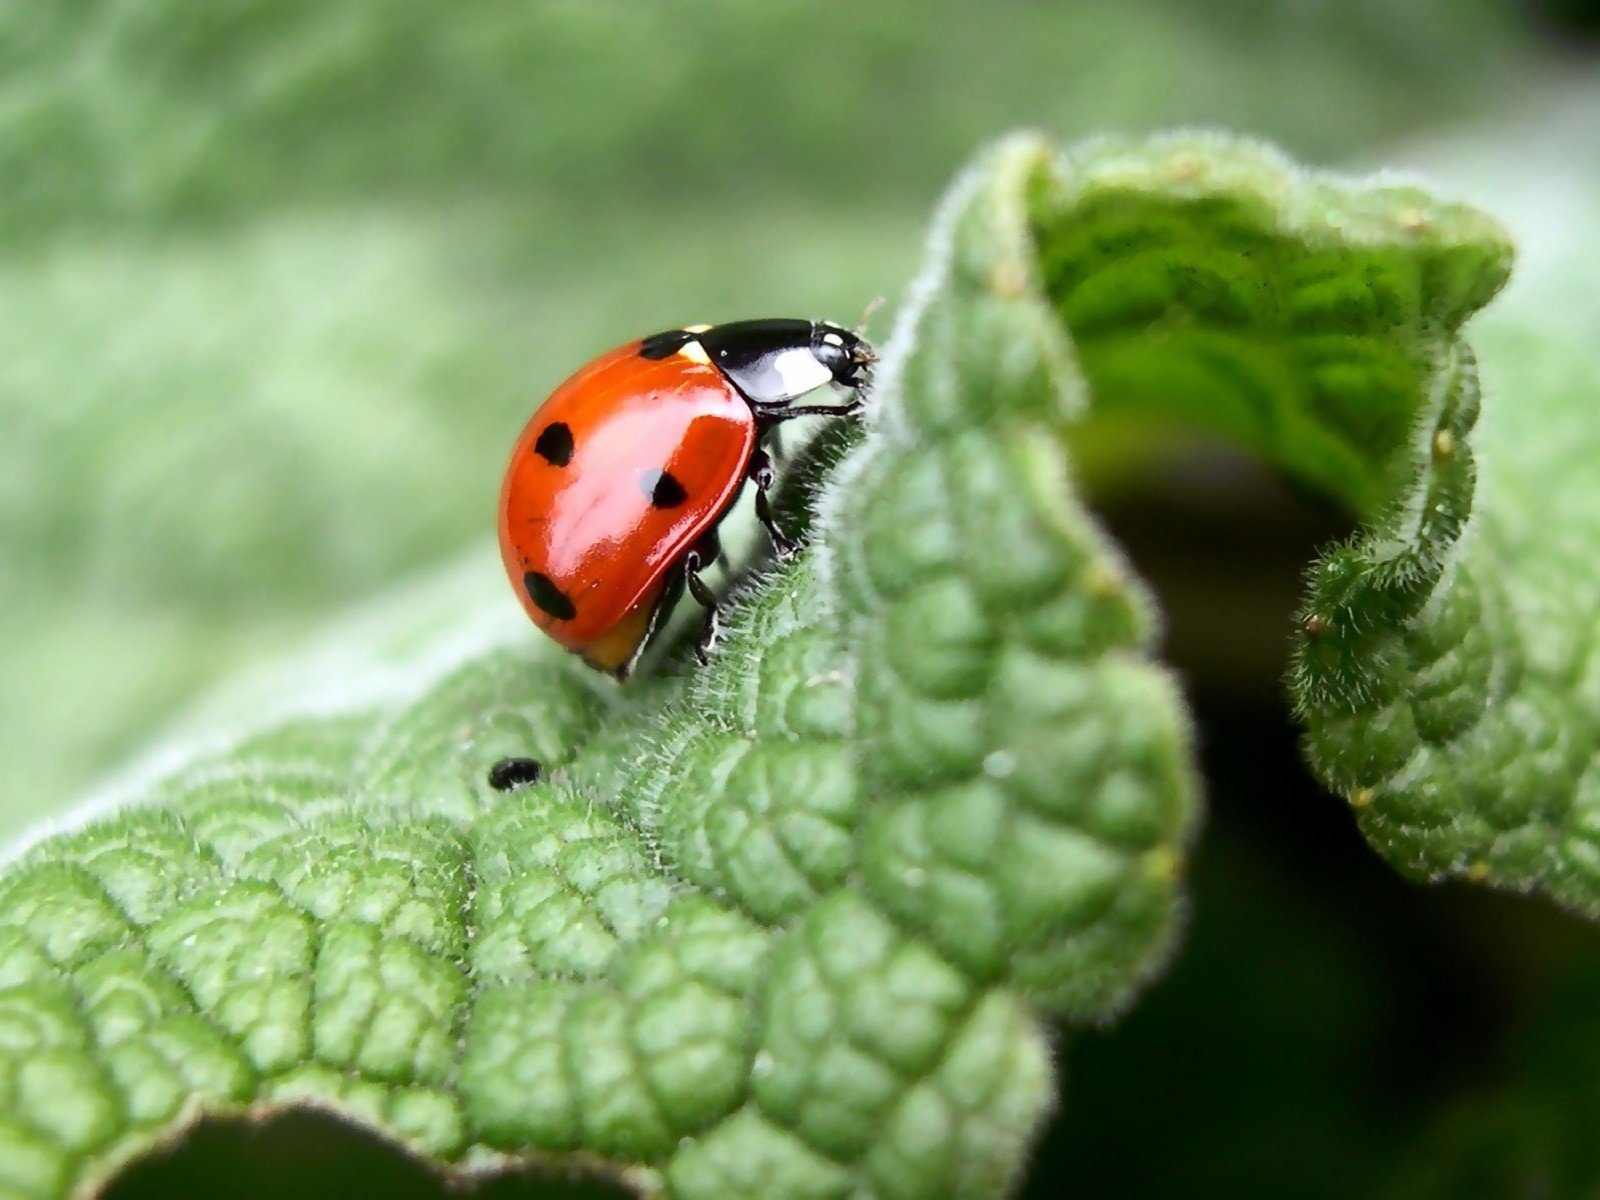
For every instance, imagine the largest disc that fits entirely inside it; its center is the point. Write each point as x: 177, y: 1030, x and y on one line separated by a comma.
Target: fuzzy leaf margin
x: 1449, y: 675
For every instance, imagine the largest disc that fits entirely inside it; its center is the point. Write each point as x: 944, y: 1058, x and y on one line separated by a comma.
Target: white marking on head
x: 800, y: 371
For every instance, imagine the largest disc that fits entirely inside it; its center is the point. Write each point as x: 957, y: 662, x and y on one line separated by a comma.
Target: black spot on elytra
x: 554, y: 444
x: 511, y: 773
x: 543, y: 592
x: 663, y: 488
x: 665, y: 344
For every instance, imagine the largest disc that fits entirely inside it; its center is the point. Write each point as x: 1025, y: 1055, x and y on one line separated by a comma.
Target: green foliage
x: 1449, y: 681
x: 790, y: 925
x: 281, y: 281
x: 1445, y: 689
x: 185, y: 115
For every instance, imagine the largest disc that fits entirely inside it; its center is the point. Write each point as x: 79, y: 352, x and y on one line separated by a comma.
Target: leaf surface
x: 796, y: 924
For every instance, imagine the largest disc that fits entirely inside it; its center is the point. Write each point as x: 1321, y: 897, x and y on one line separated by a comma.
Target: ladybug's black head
x: 845, y: 353
x: 775, y: 361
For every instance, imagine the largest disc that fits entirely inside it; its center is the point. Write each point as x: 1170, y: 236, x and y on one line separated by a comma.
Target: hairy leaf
x: 1447, y: 670
x: 792, y: 925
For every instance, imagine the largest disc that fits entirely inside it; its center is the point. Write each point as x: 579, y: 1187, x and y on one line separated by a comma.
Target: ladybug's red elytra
x: 611, y: 502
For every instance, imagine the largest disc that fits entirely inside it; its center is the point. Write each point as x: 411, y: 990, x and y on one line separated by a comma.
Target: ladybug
x: 616, y: 488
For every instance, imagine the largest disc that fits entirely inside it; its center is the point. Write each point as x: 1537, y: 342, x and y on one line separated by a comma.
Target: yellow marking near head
x: 693, y: 350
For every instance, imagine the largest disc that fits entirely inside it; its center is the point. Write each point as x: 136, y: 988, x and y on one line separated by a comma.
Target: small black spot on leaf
x: 543, y: 592
x: 663, y: 488
x: 511, y: 773
x: 665, y: 344
x: 554, y: 444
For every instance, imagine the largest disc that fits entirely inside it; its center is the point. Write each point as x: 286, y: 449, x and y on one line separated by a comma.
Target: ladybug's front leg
x: 761, y: 474
x: 772, y: 414
x: 694, y: 562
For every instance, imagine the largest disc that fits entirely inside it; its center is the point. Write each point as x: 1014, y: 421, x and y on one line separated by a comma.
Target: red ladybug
x: 616, y: 487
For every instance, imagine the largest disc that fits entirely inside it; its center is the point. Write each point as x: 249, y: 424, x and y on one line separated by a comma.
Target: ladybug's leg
x: 693, y: 563
x: 772, y: 414
x: 761, y: 474
x: 710, y: 548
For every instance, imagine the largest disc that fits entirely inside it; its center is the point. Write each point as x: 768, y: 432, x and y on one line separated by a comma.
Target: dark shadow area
x: 1321, y: 1009
x: 309, y: 1155
x: 1574, y: 23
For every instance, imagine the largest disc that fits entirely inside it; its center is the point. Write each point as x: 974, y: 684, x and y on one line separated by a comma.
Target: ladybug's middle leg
x: 761, y: 474
x: 694, y: 562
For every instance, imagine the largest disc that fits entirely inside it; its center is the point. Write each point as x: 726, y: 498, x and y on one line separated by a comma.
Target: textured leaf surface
x: 790, y: 925
x: 1451, y: 676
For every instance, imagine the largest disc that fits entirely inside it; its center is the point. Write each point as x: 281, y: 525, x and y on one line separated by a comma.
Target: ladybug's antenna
x: 873, y: 306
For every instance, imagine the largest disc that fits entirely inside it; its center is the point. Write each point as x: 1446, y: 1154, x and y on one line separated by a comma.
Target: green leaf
x: 795, y: 924
x: 1451, y: 689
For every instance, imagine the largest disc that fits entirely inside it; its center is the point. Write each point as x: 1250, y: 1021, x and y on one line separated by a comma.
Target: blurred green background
x: 279, y: 283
